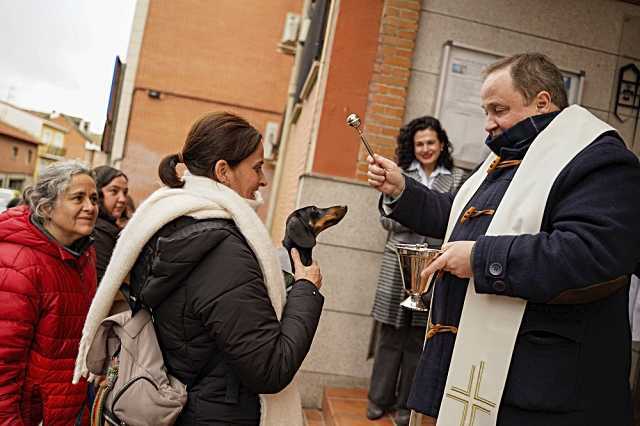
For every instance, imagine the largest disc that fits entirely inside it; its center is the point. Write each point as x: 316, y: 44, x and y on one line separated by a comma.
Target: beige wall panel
x: 630, y: 42
x: 349, y: 255
x: 621, y: 61
x: 626, y: 129
x: 312, y: 385
x: 435, y: 30
x: 423, y: 90
x: 349, y: 277
x: 577, y: 22
x: 340, y: 345
x: 626, y: 126
x: 361, y: 226
x: 602, y: 115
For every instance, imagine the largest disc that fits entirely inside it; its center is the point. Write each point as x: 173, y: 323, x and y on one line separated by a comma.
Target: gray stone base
x: 349, y: 256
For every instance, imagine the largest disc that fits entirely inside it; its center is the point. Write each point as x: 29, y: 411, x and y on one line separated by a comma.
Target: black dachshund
x: 304, y: 225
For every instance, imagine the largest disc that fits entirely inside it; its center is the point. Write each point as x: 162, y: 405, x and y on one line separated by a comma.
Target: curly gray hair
x: 53, y: 181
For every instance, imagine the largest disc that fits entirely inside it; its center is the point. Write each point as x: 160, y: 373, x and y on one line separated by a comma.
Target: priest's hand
x: 385, y: 176
x: 456, y: 260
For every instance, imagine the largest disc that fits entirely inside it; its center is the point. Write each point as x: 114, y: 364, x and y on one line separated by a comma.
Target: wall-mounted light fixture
x: 154, y: 94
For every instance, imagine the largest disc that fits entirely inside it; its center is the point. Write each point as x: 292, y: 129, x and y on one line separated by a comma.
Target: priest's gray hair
x: 52, y: 182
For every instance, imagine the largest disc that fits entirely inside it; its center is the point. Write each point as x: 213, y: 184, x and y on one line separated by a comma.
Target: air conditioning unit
x: 270, y: 139
x: 290, y: 33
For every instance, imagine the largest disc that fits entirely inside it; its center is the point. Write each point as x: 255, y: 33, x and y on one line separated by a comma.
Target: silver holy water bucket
x: 413, y: 258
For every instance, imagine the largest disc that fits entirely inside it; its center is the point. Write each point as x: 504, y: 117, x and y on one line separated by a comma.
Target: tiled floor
x: 344, y: 407
x: 313, y: 417
x: 348, y: 407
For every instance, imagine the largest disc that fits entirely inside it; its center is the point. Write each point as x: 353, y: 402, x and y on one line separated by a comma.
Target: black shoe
x: 402, y: 417
x: 374, y: 412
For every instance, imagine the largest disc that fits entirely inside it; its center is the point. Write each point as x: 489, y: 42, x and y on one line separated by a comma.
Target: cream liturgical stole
x: 489, y: 324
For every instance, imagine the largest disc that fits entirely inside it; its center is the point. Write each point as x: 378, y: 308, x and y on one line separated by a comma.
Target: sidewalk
x: 344, y: 407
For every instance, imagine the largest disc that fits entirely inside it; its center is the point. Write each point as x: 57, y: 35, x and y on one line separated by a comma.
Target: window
x: 43, y: 165
x: 16, y: 184
x: 29, y: 156
x: 14, y: 152
x: 46, y: 136
x: 58, y: 140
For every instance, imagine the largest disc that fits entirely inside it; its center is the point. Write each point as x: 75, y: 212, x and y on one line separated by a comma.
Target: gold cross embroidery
x: 465, y: 397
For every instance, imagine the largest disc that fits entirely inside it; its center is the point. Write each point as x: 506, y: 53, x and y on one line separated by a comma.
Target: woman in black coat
x: 211, y: 279
x: 113, y: 187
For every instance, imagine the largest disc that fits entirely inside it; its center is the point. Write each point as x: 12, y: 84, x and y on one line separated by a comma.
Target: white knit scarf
x: 200, y: 198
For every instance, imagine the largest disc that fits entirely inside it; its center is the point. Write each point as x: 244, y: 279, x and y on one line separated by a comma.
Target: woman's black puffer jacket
x: 216, y: 326
x: 105, y: 235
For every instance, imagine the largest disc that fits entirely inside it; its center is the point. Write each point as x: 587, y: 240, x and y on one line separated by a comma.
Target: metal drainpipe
x: 282, y: 149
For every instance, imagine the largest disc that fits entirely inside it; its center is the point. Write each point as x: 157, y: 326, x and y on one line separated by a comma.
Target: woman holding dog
x: 204, y: 265
x: 424, y: 153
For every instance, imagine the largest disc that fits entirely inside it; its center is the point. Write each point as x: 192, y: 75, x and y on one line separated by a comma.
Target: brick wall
x: 160, y: 126
x: 390, y: 80
x: 202, y: 57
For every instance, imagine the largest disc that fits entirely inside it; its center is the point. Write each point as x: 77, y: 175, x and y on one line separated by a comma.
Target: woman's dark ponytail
x: 215, y: 136
x: 167, y: 171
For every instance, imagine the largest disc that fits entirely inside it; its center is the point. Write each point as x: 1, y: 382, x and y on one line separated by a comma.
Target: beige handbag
x: 137, y: 390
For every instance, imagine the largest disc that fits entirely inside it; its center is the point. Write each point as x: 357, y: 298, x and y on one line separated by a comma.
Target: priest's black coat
x: 571, y: 362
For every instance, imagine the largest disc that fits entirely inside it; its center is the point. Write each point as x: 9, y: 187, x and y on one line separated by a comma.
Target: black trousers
x: 396, y: 359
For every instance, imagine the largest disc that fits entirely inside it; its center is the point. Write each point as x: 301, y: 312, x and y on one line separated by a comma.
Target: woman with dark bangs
x: 113, y: 187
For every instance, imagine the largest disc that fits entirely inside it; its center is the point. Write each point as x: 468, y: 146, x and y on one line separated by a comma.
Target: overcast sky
x: 59, y: 54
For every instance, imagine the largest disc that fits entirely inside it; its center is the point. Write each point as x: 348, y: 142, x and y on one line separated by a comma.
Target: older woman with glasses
x: 47, y: 281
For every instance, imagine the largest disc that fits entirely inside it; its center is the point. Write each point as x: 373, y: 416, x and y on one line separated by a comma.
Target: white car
x: 7, y: 195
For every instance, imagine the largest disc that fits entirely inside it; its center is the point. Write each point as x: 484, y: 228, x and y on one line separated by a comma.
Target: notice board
x: 458, y: 103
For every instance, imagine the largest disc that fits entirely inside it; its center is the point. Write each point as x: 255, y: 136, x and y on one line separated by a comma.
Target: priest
x: 528, y: 323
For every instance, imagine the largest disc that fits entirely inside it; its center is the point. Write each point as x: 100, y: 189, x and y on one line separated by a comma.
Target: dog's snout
x: 329, y: 217
x: 341, y: 209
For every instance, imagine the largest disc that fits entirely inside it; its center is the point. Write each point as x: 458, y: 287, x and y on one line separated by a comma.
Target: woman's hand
x: 309, y: 273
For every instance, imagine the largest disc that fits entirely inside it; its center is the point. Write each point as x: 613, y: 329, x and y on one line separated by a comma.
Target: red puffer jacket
x: 45, y: 293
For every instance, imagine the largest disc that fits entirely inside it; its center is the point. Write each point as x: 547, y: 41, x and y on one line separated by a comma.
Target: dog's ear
x: 300, y: 233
